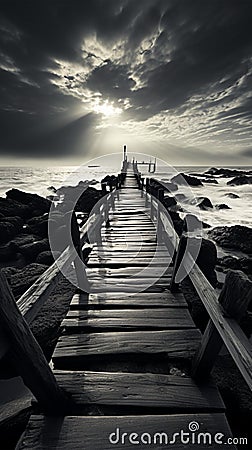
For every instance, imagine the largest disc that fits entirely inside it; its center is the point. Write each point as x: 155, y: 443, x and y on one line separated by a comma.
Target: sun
x: 106, y: 108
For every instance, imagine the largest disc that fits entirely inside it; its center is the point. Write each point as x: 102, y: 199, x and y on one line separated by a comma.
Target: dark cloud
x: 169, y: 51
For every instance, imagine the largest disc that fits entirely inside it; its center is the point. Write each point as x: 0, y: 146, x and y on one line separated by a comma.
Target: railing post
x: 174, y: 286
x: 159, y: 222
x: 26, y: 355
x: 79, y: 266
x: 104, y: 188
x: 235, y: 297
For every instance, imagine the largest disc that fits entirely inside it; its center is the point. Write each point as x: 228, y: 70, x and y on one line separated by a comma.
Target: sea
x: 41, y: 180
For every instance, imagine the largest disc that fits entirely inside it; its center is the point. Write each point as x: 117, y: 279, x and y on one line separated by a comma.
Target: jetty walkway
x: 122, y: 365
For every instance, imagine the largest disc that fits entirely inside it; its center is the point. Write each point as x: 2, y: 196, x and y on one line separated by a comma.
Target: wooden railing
x: 225, y: 310
x: 17, y: 342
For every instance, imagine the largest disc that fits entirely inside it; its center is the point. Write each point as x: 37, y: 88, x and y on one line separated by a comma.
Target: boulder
x: 23, y: 239
x: 209, y: 180
x: 35, y: 201
x: 46, y: 258
x: 7, y: 232
x: 183, y: 178
x: 168, y: 186
x: 88, y: 199
x: 226, y: 173
x: 169, y: 202
x: 192, y: 223
x: 178, y: 223
x: 240, y: 180
x: 207, y: 260
x: 222, y: 206
x: 11, y: 208
x: 39, y: 225
x: 31, y: 251
x: 21, y: 279
x: 231, y: 195
x: 238, y: 237
x: 231, y: 262
x: 18, y: 222
x: 204, y: 203
x: 7, y: 253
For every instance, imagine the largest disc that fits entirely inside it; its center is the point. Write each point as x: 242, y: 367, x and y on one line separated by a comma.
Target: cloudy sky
x: 167, y: 77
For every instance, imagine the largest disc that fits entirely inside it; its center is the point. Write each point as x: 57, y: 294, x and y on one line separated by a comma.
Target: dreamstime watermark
x: 190, y: 436
x: 76, y: 192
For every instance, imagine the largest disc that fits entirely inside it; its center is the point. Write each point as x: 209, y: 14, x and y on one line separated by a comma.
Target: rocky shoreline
x: 25, y: 251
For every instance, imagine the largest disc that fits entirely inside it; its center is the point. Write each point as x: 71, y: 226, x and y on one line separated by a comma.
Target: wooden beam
x: 234, y: 298
x: 174, y: 286
x: 26, y: 355
x: 230, y: 331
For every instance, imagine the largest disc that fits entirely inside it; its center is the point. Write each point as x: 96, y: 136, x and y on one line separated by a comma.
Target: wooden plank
x: 231, y: 333
x: 147, y: 390
x: 235, y: 297
x: 76, y: 348
x: 150, y: 272
x: 105, y: 432
x: 26, y: 355
x: 111, y: 299
x: 172, y: 318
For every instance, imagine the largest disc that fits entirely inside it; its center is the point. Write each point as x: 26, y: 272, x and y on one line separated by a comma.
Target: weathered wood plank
x: 150, y: 272
x: 77, y: 347
x: 111, y: 299
x: 231, y: 333
x: 148, y: 390
x: 104, y: 432
x: 172, y: 318
x: 235, y: 297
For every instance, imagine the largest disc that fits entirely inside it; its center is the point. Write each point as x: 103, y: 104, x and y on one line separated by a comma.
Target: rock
x: 88, y: 199
x: 15, y: 220
x: 24, y: 239
x: 192, y: 223
x: 209, y: 180
x: 226, y: 173
x: 34, y: 201
x: 206, y: 225
x: 7, y: 232
x: 207, y: 260
x: 183, y: 178
x: 178, y: 223
x: 181, y: 198
x: 21, y: 279
x: 9, y: 227
x: 238, y: 237
x: 246, y: 266
x: 169, y: 202
x: 46, y: 258
x: 6, y: 253
x: 240, y: 180
x: 231, y: 262
x: 222, y: 206
x: 39, y: 225
x: 11, y: 208
x: 31, y: 251
x: 204, y: 203
x: 231, y: 195
x: 168, y: 186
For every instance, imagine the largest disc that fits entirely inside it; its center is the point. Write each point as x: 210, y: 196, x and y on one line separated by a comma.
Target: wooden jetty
x: 130, y: 357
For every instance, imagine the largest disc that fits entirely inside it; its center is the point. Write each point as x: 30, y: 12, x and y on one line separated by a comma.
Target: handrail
x: 229, y: 330
x: 33, y: 299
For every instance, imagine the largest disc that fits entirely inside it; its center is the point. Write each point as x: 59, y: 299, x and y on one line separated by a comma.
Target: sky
x: 170, y: 78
